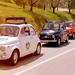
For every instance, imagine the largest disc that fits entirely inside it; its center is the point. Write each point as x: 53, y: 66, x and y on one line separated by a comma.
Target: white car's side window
x: 32, y: 31
x: 25, y: 31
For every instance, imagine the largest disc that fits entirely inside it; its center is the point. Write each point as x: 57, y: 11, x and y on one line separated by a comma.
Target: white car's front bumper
x: 4, y: 55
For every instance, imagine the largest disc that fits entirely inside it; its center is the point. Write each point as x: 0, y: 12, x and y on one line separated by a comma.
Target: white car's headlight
x: 2, y: 48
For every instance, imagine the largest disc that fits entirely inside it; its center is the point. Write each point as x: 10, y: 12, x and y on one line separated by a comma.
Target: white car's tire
x: 14, y: 58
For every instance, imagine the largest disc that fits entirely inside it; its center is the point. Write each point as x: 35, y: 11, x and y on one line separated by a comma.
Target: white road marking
x: 43, y: 62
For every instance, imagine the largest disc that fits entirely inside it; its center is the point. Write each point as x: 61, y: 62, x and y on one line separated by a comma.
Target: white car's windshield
x: 9, y: 31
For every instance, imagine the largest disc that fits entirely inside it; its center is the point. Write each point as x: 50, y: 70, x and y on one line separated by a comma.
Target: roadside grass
x: 8, y: 4
x: 37, y: 18
x: 5, y: 0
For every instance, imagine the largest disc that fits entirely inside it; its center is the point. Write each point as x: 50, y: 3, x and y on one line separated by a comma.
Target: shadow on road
x: 4, y: 65
x: 53, y: 45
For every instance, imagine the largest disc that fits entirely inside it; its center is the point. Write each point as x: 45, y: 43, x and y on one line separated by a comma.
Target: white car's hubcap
x: 15, y: 57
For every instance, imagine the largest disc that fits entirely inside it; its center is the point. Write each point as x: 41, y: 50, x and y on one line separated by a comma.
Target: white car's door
x: 33, y: 38
x: 25, y: 41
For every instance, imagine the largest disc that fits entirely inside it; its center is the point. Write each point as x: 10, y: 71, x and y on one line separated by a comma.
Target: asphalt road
x: 52, y: 61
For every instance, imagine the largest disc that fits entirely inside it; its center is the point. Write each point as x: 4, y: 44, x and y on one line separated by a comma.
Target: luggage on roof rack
x: 15, y: 20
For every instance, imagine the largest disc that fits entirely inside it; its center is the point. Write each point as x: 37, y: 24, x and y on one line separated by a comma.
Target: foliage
x: 73, y: 4
x: 54, y: 4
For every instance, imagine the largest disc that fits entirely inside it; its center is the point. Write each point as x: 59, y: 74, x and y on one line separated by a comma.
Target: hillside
x: 38, y: 17
x: 4, y: 0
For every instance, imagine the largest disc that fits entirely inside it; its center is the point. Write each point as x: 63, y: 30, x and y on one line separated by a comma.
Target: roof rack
x: 15, y: 20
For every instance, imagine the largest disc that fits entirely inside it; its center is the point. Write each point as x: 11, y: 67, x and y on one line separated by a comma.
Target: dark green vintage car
x: 54, y: 32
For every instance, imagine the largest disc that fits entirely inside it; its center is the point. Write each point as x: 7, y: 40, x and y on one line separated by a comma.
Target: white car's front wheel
x: 14, y: 58
x: 38, y: 50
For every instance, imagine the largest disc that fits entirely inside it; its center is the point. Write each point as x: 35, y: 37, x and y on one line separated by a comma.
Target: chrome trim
x: 46, y: 41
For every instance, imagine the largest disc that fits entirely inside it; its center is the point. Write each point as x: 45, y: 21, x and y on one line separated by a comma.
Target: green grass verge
x: 5, y: 0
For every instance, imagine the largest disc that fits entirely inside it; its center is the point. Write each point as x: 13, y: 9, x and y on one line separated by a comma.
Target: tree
x: 54, y: 4
x: 43, y: 3
x: 69, y: 6
x: 73, y: 4
x: 21, y: 3
x: 32, y: 3
x: 63, y: 4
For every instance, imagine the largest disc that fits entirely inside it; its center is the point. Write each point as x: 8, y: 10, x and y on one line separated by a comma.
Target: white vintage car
x: 17, y: 41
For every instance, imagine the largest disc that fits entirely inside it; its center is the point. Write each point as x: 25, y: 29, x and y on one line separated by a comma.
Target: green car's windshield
x: 9, y: 31
x: 50, y: 26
